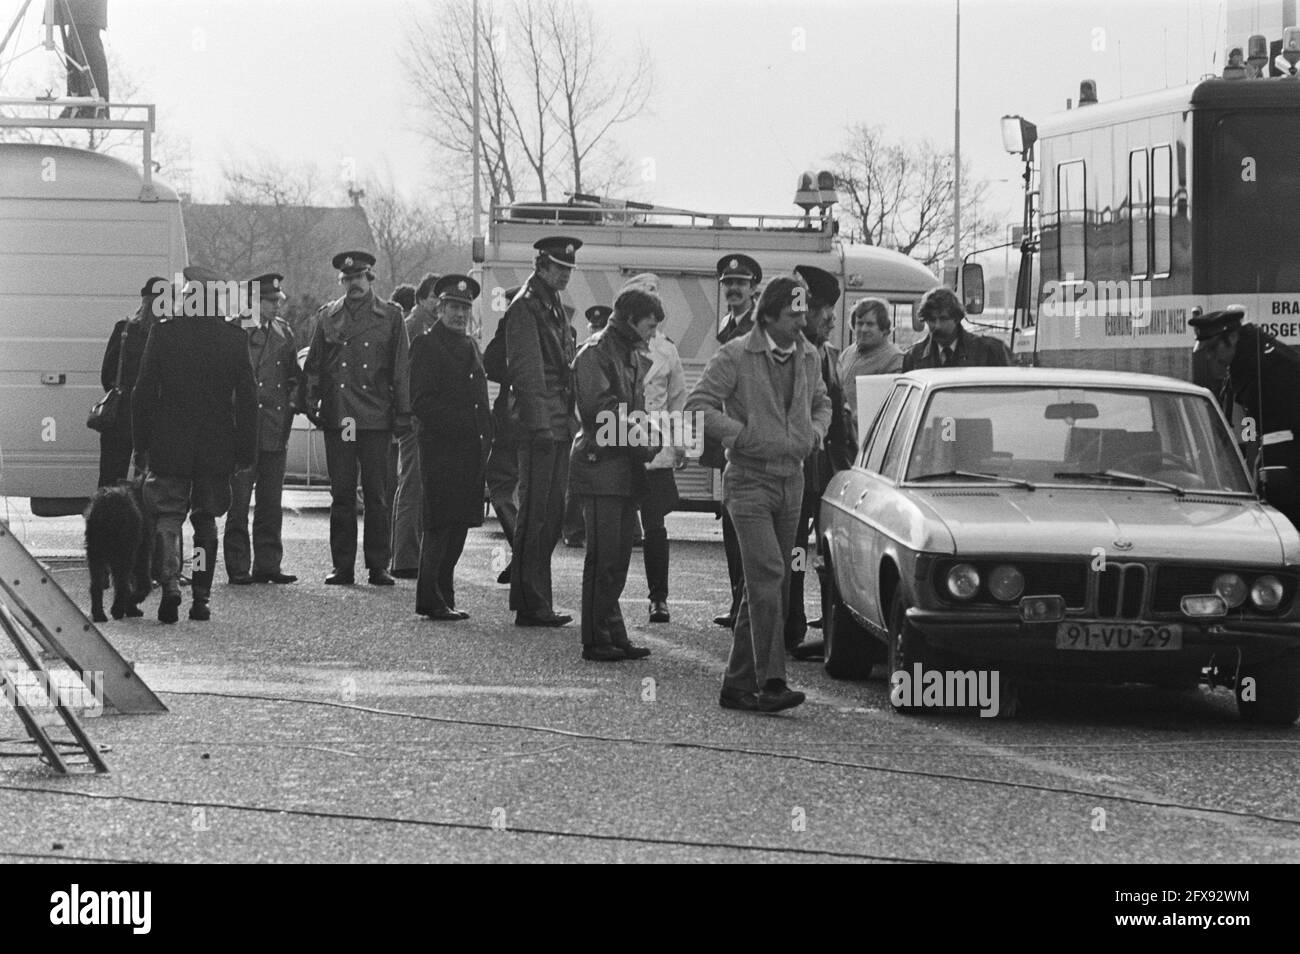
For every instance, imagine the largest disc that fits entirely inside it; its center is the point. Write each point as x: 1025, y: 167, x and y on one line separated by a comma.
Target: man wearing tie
x: 948, y: 344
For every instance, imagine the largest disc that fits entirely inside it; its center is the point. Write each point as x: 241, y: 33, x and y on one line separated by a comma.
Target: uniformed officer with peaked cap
x: 540, y: 346
x: 274, y: 356
x: 449, y: 396
x: 739, y: 275
x: 1262, y: 374
x: 358, y: 389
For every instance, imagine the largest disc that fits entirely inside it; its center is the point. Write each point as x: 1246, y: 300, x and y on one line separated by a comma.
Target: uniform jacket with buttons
x: 194, y: 409
x: 607, y: 460
x: 742, y: 400
x: 358, y: 366
x: 275, y: 368
x: 968, y: 351
x: 715, y: 454
x: 539, y: 352
x: 450, y: 399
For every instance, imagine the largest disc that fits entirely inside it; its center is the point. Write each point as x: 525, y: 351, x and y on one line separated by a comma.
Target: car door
x: 861, y: 548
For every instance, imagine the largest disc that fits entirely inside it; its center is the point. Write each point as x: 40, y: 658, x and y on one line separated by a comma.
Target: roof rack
x: 73, y: 104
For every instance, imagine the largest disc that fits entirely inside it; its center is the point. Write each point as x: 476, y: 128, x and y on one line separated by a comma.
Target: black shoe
x: 244, y: 580
x: 339, y: 578
x: 446, y: 615
x: 735, y: 699
x: 813, y: 649
x: 504, y: 575
x: 553, y: 619
x: 815, y: 623
x: 633, y: 652
x: 405, y: 574
x: 169, y: 608
x: 603, y: 653
x: 274, y: 578
x: 725, y: 621
x: 200, y: 611
x: 777, y: 696
x: 381, y: 578
x: 659, y: 611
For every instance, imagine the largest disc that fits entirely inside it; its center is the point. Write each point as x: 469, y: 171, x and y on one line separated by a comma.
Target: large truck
x: 80, y: 232
x: 1154, y: 205
x: 682, y: 247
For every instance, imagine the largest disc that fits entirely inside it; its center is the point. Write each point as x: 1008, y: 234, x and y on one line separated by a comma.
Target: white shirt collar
x: 771, y: 345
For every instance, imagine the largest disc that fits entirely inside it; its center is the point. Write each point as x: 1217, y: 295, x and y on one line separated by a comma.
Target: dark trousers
x: 574, y: 526
x: 609, y: 522
x: 408, y: 505
x: 660, y: 501
x: 204, y: 498
x: 503, y: 484
x: 114, y: 457
x: 267, y: 475
x: 440, y: 550
x: 543, y: 475
x: 796, y: 620
x: 735, y: 565
x: 367, y: 456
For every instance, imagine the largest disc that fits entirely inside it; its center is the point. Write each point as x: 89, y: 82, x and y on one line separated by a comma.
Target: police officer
x: 835, y: 454
x: 358, y: 392
x: 1261, y: 374
x: 407, y: 499
x: 539, y: 352
x: 739, y: 275
x: 449, y: 396
x: 275, y: 368
x: 194, y: 420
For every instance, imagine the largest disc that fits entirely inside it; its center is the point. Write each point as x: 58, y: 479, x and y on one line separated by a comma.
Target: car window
x: 875, y: 448
x: 1053, y: 435
x: 898, y: 440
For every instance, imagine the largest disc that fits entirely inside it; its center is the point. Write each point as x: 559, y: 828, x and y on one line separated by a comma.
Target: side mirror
x: 972, y: 283
x: 1276, y: 483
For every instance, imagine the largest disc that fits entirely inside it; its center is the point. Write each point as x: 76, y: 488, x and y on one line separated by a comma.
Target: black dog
x: 119, y: 542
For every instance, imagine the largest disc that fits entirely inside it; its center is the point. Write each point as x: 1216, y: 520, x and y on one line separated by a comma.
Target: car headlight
x: 1267, y: 593
x: 1232, y: 588
x: 1006, y: 583
x: 963, y: 581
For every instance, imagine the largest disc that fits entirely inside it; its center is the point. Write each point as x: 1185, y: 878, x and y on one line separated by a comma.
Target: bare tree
x: 900, y: 196
x: 548, y: 104
x: 411, y: 239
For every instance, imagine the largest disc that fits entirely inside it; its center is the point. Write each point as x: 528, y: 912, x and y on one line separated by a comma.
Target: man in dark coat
x: 115, y: 442
x: 1261, y: 374
x: 274, y: 357
x: 194, y: 417
x: 539, y: 352
x: 449, y: 396
x: 607, y: 466
x: 836, y: 452
x: 739, y: 275
x: 358, y: 392
x: 948, y: 344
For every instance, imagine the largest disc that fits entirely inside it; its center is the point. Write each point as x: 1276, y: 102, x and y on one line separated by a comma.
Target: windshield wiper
x: 1119, y: 477
x: 949, y: 474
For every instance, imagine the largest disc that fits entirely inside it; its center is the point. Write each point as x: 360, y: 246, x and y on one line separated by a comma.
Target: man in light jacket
x: 762, y: 396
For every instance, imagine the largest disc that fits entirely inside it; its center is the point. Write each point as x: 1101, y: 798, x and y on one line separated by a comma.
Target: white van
x: 80, y: 232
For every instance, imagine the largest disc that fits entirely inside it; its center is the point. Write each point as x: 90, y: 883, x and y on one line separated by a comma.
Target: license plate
x: 1118, y: 637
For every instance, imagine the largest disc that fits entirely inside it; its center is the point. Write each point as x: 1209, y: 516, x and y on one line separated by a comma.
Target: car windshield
x: 1103, y: 437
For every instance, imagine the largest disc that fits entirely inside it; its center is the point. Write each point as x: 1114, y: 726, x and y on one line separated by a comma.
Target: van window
x: 1138, y: 216
x: 1072, y: 219
x: 1162, y: 198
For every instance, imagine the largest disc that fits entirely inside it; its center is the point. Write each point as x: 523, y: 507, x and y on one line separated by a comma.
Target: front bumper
x: 1007, y: 640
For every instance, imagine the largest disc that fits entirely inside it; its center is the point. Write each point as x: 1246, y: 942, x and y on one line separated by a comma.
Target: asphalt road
x: 314, y: 723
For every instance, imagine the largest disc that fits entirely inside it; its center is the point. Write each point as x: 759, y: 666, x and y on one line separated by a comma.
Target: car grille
x: 1119, y: 590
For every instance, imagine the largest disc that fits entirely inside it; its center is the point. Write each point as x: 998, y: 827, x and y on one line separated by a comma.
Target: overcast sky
x: 747, y: 93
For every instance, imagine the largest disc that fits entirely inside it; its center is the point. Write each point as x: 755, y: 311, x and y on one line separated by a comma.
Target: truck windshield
x: 1104, y: 438
x: 1253, y: 203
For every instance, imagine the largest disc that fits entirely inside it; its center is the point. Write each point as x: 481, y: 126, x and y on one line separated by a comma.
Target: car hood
x: 1147, y: 525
